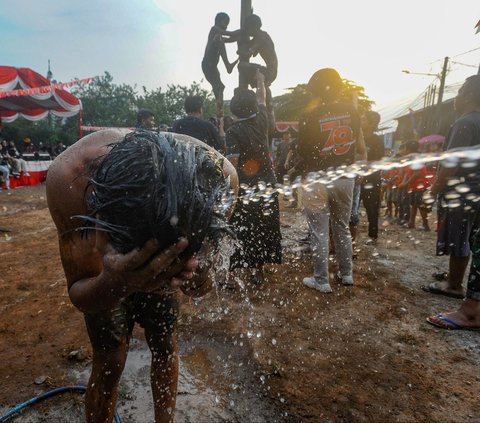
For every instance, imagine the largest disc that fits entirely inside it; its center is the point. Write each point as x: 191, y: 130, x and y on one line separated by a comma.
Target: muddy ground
x: 281, y: 353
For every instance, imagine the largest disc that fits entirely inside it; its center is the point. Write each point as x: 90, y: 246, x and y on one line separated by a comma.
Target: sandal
x: 440, y: 276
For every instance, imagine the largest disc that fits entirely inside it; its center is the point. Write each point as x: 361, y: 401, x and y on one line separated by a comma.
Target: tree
x: 107, y: 104
x: 290, y: 106
x: 49, y: 131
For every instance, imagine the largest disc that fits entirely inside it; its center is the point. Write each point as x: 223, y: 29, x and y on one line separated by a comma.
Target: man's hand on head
x: 147, y: 269
x: 200, y: 283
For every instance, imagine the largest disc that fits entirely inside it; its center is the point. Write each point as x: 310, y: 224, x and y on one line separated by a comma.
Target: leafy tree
x: 174, y: 99
x: 290, y: 106
x: 49, y: 131
x: 106, y: 103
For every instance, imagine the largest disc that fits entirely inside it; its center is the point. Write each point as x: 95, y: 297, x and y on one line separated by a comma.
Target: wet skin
x: 98, y: 277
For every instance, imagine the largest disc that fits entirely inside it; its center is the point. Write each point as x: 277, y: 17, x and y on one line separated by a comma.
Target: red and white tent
x: 26, y: 93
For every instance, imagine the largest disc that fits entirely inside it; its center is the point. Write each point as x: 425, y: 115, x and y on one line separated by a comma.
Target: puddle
x: 216, y: 384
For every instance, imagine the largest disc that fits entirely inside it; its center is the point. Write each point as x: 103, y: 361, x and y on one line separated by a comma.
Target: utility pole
x: 243, y: 43
x: 441, y: 89
x: 442, y: 81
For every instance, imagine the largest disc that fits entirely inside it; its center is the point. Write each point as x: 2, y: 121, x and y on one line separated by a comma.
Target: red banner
x: 45, y: 89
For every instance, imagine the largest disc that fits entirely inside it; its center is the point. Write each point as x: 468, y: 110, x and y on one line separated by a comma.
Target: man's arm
x: 408, y: 180
x: 462, y: 135
x: 361, y: 149
x: 98, y: 277
x: 442, y: 177
x: 261, y: 91
x: 224, y: 32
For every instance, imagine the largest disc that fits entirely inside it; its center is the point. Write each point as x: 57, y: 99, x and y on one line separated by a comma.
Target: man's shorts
x: 456, y: 225
x: 155, y: 313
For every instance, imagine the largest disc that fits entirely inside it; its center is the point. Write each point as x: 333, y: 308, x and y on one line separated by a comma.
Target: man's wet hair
x: 193, y: 104
x: 143, y: 114
x: 253, y: 23
x: 244, y: 103
x: 154, y: 186
x: 473, y: 87
x: 325, y: 84
x: 221, y: 16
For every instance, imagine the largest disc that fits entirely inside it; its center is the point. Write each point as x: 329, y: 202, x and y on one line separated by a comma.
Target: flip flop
x: 448, y: 324
x: 434, y: 289
x: 440, y: 276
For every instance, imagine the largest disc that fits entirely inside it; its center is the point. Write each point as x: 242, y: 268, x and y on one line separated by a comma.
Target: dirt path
x: 278, y: 353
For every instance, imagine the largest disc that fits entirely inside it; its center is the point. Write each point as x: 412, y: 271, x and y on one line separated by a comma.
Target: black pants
x: 404, y: 205
x: 370, y: 196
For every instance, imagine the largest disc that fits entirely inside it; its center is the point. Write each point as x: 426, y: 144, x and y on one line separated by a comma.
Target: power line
x: 469, y: 51
x: 465, y: 64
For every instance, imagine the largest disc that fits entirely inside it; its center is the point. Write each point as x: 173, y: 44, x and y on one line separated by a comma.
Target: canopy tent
x: 26, y: 93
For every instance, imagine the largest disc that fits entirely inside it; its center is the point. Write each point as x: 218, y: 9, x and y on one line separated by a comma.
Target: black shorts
x: 155, y: 313
x: 456, y: 225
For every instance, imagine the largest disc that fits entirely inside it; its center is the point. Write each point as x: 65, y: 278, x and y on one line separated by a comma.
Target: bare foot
x: 466, y: 318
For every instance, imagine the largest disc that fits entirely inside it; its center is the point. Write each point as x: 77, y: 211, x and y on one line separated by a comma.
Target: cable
x: 469, y: 51
x: 51, y: 393
x: 464, y: 64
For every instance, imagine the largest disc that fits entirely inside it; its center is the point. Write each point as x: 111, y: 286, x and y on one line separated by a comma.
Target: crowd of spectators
x: 14, y: 157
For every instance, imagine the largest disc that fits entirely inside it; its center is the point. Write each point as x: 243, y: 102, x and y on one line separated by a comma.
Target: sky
x: 154, y: 43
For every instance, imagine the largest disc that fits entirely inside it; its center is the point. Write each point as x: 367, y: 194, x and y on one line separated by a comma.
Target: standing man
x: 262, y: 44
x: 125, y: 207
x: 213, y: 51
x: 329, y: 137
x: 195, y: 126
x: 372, y: 184
x: 459, y: 227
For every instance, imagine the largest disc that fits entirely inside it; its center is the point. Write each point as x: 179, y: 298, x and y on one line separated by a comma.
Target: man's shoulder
x: 470, y: 119
x: 331, y: 111
x: 374, y: 139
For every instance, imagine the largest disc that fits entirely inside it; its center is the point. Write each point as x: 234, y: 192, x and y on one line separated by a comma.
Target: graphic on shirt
x: 340, y: 136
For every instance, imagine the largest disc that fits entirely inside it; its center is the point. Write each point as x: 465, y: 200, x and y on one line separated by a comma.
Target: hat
x: 325, y: 83
x: 244, y: 103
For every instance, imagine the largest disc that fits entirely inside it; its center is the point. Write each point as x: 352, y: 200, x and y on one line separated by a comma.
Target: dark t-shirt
x: 249, y: 139
x: 375, y: 151
x: 200, y: 129
x: 375, y: 147
x: 327, y: 137
x: 465, y: 133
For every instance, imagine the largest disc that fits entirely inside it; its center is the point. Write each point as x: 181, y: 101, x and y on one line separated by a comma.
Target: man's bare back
x: 100, y: 280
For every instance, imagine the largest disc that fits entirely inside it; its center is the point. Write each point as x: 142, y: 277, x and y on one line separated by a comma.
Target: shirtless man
x: 262, y: 44
x: 126, y: 266
x: 213, y: 51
